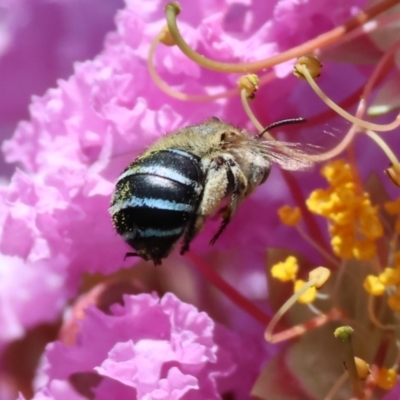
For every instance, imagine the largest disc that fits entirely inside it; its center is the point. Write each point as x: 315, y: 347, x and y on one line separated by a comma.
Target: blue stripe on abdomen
x: 160, y: 171
x: 151, y: 232
x: 149, y: 202
x: 176, y: 165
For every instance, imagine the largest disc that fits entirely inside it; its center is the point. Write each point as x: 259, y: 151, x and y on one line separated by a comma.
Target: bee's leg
x: 227, y: 214
x: 216, y: 187
x: 194, y: 227
x: 239, y: 183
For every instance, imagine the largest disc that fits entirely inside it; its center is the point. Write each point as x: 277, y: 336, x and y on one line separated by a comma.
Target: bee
x: 167, y: 193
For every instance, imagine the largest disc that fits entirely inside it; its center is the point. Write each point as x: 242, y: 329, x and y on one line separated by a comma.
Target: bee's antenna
x: 282, y: 122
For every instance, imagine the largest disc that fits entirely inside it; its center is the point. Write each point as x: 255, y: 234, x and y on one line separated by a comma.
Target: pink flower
x: 84, y: 132
x: 39, y: 41
x: 150, y: 348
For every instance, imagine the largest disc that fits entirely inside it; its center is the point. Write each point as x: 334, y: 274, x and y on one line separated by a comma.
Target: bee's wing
x: 291, y: 156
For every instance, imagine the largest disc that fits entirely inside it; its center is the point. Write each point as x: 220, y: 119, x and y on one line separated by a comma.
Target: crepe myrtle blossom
x: 82, y: 134
x: 149, y: 348
x: 39, y: 41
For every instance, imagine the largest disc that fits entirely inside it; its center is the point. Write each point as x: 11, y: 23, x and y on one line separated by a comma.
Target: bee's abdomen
x: 155, y: 198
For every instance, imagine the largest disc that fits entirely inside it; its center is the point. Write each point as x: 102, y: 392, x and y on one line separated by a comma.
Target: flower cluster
x: 354, y: 221
x: 40, y: 41
x: 388, y: 280
x: 149, y: 348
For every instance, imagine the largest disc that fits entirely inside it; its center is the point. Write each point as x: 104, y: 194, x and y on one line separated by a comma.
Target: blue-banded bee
x: 168, y: 192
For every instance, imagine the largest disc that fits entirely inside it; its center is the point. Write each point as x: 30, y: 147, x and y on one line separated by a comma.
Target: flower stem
x: 330, y: 103
x: 379, y: 70
x: 298, y: 330
x: 344, y: 334
x: 338, y: 384
x: 309, y: 220
x: 250, y: 114
x: 317, y: 279
x: 374, y: 320
x: 383, y: 21
x: 236, y: 297
x: 174, y: 93
x: 382, y: 144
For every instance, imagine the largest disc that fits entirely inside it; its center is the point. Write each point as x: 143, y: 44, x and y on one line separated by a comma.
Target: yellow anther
x: 343, y: 217
x: 289, y: 216
x: 349, y: 212
x: 166, y: 37
x: 308, y: 296
x: 362, y: 368
x: 285, y: 270
x: 337, y: 172
x: 250, y: 84
x: 394, y: 302
x: 392, y: 207
x: 364, y: 250
x: 393, y: 172
x: 370, y: 224
x: 342, y: 230
x: 373, y: 285
x: 320, y: 276
x: 310, y: 62
x: 346, y: 195
x: 175, y: 5
x: 390, y: 276
x: 342, y: 246
x: 386, y: 378
x: 317, y: 202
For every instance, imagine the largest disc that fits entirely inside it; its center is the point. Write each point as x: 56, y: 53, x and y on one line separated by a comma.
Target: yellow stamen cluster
x: 308, y: 296
x: 386, y: 378
x: 377, y: 285
x: 289, y: 216
x: 373, y: 285
x: 354, y: 223
x: 287, y: 270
